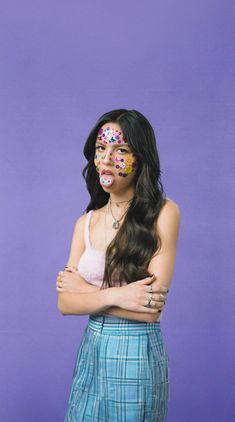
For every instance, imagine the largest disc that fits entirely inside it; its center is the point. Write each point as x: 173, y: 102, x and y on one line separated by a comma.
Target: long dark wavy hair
x: 131, y: 250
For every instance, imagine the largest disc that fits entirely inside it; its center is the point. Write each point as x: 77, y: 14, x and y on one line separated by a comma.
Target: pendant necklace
x: 116, y: 223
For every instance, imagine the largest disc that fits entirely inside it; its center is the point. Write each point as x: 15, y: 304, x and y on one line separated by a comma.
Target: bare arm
x: 86, y: 303
x: 115, y: 310
x: 162, y: 265
x: 83, y: 303
x: 123, y: 313
x: 92, y: 299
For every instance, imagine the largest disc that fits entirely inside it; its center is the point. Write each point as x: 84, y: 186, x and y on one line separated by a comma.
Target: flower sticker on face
x: 127, y: 164
x: 123, y: 160
x: 109, y: 135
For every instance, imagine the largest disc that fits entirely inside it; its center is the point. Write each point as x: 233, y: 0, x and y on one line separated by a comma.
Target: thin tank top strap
x: 87, y: 230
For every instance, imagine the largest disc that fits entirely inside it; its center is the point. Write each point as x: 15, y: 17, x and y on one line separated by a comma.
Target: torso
x: 101, y: 236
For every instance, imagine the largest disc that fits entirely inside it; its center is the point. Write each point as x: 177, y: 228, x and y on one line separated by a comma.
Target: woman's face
x: 113, y: 154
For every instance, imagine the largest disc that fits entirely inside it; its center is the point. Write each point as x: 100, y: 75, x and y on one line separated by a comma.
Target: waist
x: 116, y: 326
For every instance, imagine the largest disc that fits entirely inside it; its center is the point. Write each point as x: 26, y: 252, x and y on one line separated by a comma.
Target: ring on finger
x: 149, y: 303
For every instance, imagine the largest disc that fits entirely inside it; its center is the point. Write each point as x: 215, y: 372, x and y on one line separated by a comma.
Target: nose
x: 107, y: 157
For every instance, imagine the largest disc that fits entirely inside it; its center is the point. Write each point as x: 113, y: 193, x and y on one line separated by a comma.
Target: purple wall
x: 62, y: 65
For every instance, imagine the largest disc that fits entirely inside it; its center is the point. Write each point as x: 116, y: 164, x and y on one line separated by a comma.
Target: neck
x: 119, y: 203
x: 122, y: 197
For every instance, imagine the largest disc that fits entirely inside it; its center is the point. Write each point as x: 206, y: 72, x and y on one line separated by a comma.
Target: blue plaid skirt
x: 121, y: 373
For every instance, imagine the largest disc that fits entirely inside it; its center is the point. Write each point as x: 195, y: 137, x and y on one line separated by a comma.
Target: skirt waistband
x: 116, y: 326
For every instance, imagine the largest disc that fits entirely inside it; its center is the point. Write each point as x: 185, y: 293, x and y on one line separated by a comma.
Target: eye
x: 98, y: 146
x: 123, y: 149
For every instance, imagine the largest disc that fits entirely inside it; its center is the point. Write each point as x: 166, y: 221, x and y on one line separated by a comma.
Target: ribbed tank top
x: 92, y: 261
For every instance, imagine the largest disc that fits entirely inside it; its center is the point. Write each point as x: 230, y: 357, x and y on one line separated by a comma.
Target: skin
x: 110, y: 141
x: 75, y: 295
x: 116, y: 155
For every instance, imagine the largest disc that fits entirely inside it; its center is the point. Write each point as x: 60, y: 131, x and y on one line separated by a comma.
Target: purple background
x: 62, y: 65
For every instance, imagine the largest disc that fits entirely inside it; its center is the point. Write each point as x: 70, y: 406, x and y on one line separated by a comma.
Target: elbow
x: 153, y: 317
x: 61, y: 307
x: 65, y: 306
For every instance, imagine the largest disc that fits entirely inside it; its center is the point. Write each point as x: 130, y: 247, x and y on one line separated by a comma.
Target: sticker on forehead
x: 109, y: 135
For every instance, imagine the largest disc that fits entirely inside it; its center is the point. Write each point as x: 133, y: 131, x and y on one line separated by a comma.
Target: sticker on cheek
x: 127, y: 164
x: 97, y: 161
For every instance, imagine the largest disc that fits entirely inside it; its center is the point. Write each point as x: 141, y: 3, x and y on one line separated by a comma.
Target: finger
x: 164, y: 289
x: 160, y: 305
x: 156, y: 303
x: 159, y: 288
x: 147, y: 280
x: 162, y: 297
x: 156, y: 298
x: 70, y: 269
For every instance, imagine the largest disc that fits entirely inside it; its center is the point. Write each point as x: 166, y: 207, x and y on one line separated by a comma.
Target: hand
x: 159, y: 294
x: 69, y: 280
x: 134, y: 296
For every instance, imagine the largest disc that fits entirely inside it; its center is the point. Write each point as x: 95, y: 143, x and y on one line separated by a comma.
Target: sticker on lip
x: 107, y: 179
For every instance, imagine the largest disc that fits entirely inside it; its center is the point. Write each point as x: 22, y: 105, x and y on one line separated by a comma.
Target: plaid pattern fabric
x: 121, y: 373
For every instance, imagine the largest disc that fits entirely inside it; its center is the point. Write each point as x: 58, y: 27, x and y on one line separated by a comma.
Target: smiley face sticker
x: 122, y: 157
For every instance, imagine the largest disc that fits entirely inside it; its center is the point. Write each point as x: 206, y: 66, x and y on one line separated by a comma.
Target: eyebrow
x: 117, y: 145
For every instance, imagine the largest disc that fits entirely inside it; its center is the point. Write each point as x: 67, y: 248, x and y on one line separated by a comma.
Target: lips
x: 107, y: 172
x: 107, y: 178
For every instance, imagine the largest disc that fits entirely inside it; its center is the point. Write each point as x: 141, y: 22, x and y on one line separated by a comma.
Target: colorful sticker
x: 127, y: 161
x: 109, y: 135
x: 127, y: 164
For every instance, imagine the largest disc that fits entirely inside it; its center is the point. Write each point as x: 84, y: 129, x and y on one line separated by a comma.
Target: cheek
x: 126, y: 165
x: 98, y: 157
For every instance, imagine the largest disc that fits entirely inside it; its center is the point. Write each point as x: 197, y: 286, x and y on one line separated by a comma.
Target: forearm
x: 136, y: 316
x: 86, y: 303
x: 117, y: 311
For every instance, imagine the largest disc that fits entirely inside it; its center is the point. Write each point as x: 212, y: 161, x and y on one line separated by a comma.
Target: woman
x: 119, y: 271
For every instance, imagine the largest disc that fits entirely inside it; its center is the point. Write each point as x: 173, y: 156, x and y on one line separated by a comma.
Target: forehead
x: 111, y: 133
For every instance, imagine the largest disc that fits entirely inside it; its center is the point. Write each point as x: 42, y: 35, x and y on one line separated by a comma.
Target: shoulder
x: 80, y: 222
x: 170, y: 210
x: 96, y: 215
